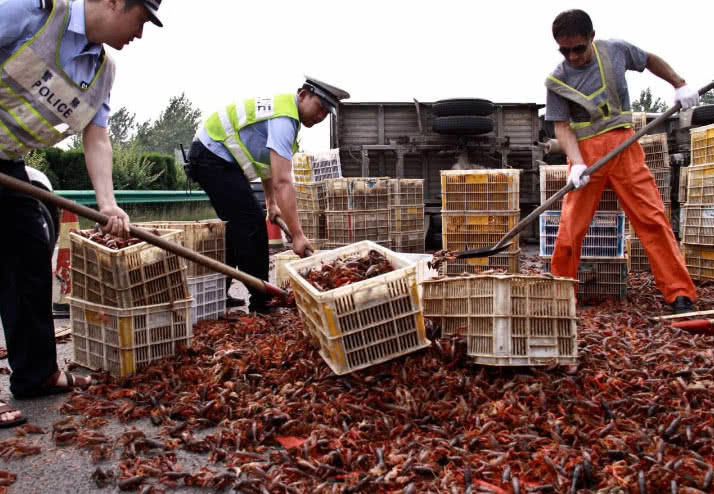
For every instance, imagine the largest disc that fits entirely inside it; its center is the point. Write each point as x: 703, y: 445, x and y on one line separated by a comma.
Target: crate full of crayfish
x: 129, y: 273
x: 508, y: 320
x: 361, y: 302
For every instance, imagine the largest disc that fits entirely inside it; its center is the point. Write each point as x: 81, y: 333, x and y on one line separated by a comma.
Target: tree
x: 120, y: 126
x: 176, y: 124
x: 648, y: 104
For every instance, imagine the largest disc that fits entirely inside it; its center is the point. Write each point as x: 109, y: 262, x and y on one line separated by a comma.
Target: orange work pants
x: 637, y: 191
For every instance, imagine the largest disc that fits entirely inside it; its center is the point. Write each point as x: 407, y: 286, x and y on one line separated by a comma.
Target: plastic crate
x: 463, y: 230
x: 639, y: 120
x: 314, y: 227
x: 316, y: 167
x: 508, y: 320
x: 311, y: 197
x: 683, y: 177
x: 700, y: 184
x: 403, y: 219
x: 122, y: 341
x: 702, y: 145
x: 510, y: 263
x: 697, y: 227
x: 555, y: 177
x: 637, y: 260
x: 605, y: 237
x: 365, y: 323
x: 699, y: 260
x: 412, y: 242
x: 480, y: 190
x: 663, y: 179
x: 281, y: 260
x: 209, y: 297
x: 599, y: 279
x: 207, y: 237
x: 656, y: 151
x: 135, y: 276
x: 353, y: 226
x: 406, y: 192
x: 357, y: 194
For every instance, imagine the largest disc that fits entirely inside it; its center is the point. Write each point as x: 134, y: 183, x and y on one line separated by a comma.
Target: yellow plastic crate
x: 281, y: 260
x: 406, y: 192
x: 683, y: 177
x: 702, y: 145
x: 508, y: 320
x: 462, y: 230
x: 656, y: 151
x: 311, y: 197
x: 510, y: 262
x: 367, y: 322
x: 316, y: 167
x: 554, y: 177
x: 207, y: 237
x: 346, y: 227
x: 122, y: 341
x: 700, y: 184
x: 480, y: 190
x: 403, y: 219
x: 357, y: 194
x: 132, y: 277
x: 700, y: 261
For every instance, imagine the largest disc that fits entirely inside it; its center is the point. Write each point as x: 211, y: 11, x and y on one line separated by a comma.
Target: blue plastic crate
x: 605, y: 237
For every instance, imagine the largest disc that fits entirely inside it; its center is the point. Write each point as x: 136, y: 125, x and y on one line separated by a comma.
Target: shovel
x: 284, y: 227
x: 504, y: 243
x: 42, y: 195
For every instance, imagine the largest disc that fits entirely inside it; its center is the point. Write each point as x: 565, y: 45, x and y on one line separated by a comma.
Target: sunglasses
x: 577, y: 50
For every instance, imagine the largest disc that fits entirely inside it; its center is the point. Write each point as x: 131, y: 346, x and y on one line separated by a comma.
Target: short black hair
x: 572, y: 23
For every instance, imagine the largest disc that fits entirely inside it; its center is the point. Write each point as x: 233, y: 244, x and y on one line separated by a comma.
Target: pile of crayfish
x: 108, y: 240
x: 352, y: 269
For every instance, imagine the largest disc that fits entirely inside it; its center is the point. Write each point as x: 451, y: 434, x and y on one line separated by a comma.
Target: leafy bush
x: 36, y: 159
x: 133, y: 171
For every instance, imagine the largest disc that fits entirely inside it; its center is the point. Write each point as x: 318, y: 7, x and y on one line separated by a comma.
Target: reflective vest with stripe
x: 225, y: 126
x: 603, y: 106
x: 40, y: 105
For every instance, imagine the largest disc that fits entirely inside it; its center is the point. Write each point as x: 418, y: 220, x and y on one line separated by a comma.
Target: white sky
x: 218, y: 51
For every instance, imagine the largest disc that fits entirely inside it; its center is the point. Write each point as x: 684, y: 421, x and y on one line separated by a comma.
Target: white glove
x: 576, y: 178
x: 686, y: 95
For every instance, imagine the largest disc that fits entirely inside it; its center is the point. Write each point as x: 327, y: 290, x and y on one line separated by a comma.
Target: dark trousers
x: 25, y: 287
x: 234, y: 202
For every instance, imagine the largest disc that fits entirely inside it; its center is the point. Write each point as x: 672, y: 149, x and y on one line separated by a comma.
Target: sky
x: 221, y: 51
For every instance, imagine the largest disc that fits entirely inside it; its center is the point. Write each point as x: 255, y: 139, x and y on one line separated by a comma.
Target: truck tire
x: 462, y: 106
x: 462, y: 125
x: 703, y: 115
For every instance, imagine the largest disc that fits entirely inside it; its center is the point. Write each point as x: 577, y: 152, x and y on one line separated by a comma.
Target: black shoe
x: 234, y: 302
x: 682, y: 305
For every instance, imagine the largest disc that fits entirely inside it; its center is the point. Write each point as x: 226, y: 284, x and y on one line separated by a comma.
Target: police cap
x: 153, y: 7
x: 330, y: 96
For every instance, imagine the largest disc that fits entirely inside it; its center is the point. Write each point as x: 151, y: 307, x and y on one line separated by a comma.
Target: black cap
x: 329, y: 95
x: 153, y: 7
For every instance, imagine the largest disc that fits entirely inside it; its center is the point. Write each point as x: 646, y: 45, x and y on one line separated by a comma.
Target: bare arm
x: 662, y: 69
x: 566, y: 138
x: 283, y: 193
x: 98, y: 159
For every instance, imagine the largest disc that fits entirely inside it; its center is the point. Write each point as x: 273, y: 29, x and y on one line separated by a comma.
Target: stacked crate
x: 406, y: 215
x: 207, y: 288
x: 657, y: 160
x: 697, y: 223
x: 478, y: 207
x: 357, y: 209
x: 603, y: 264
x: 311, y: 170
x: 129, y: 307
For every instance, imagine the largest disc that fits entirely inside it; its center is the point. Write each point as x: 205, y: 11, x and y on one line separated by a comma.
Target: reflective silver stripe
x: 235, y: 148
x: 9, y: 143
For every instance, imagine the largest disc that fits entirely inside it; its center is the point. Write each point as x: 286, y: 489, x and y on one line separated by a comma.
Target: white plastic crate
x: 599, y: 279
x: 122, y: 341
x: 555, y: 177
x: 697, y: 226
x: 508, y: 320
x: 605, y: 237
x: 316, y: 167
x: 367, y: 322
x: 209, y: 297
x: 656, y: 151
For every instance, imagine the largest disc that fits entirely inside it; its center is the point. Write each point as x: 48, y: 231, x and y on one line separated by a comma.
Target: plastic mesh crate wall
x: 510, y: 263
x: 700, y: 261
x: 209, y: 297
x: 605, y: 237
x: 367, y: 322
x: 599, y: 279
x: 656, y: 151
x: 683, y: 177
x: 122, y: 341
x: 311, y: 197
x: 555, y: 177
x: 507, y: 319
x: 697, y: 225
x: 316, y: 167
x: 314, y: 226
x: 480, y: 190
x: 411, y: 242
x: 347, y: 227
x: 637, y: 260
x: 406, y: 192
x: 639, y: 120
x: 131, y: 277
x: 357, y: 194
x: 700, y: 184
x: 207, y: 237
x: 403, y: 219
x: 462, y: 230
x: 702, y: 145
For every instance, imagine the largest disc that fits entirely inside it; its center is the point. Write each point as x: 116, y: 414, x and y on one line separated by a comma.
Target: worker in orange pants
x: 589, y: 104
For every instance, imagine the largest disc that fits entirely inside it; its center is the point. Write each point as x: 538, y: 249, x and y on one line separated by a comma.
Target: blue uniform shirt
x: 21, y: 19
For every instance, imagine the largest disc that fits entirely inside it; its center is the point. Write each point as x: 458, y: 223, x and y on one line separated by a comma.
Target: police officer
x: 256, y: 138
x: 56, y: 80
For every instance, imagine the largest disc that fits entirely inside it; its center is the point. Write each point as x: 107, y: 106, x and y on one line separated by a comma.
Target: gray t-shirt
x: 624, y: 56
